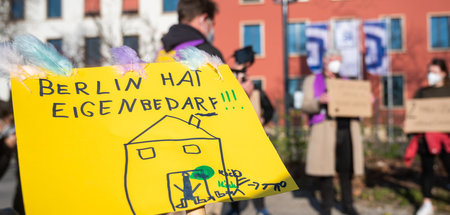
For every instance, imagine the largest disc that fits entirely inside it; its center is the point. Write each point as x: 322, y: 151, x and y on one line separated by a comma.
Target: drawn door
x: 171, y: 173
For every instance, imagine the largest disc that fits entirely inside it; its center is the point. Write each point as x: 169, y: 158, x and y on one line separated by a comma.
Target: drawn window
x: 170, y: 6
x: 92, y: 56
x: 252, y: 37
x: 92, y: 7
x: 130, y: 6
x: 57, y: 43
x: 297, y: 38
x: 396, y: 36
x: 132, y: 42
x: 191, y: 149
x: 17, y: 9
x: 147, y: 153
x: 397, y: 89
x: 53, y: 8
x: 440, y: 32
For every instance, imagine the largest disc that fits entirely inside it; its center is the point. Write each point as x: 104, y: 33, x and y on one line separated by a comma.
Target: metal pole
x: 286, y: 65
x: 390, y: 86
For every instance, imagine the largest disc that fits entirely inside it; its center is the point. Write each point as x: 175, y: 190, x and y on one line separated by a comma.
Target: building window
x: 53, y: 8
x: 132, y: 42
x: 252, y: 37
x: 396, y: 37
x: 170, y: 6
x: 297, y: 38
x: 92, y: 7
x: 92, y: 56
x: 251, y: 1
x: 17, y: 9
x: 257, y: 84
x: 130, y: 6
x: 397, y: 89
x: 440, y: 35
x: 57, y: 43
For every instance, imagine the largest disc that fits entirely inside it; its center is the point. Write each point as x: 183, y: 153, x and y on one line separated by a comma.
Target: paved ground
x: 7, y: 187
x: 298, y: 202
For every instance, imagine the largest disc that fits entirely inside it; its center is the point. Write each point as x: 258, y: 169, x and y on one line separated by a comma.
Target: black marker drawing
x: 207, y: 114
x: 171, y: 137
x: 276, y: 186
x: 187, y: 189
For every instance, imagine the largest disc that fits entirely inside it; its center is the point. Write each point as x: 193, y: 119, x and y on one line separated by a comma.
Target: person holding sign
x: 244, y: 58
x: 335, y: 143
x: 431, y: 144
x: 195, y: 28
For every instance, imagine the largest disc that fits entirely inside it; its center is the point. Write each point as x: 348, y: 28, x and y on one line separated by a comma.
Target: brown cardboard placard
x: 427, y: 115
x: 349, y: 98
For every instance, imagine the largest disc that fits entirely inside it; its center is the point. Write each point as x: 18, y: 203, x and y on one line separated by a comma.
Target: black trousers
x: 258, y: 203
x: 427, y: 161
x: 344, y: 167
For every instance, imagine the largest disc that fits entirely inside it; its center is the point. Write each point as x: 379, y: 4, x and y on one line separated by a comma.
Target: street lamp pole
x: 286, y: 65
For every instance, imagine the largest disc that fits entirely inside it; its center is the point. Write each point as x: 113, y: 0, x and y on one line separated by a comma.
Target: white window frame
x: 262, y: 35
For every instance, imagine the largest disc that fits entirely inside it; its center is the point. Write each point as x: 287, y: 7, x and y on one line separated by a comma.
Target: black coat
x: 5, y: 157
x: 181, y: 33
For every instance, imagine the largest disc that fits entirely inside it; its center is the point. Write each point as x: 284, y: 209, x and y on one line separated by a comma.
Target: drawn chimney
x: 194, y: 121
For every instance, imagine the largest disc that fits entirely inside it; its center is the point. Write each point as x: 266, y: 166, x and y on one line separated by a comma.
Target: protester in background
x: 195, y: 28
x: 334, y: 144
x: 244, y: 58
x: 431, y: 144
x: 7, y: 136
x: 8, y: 148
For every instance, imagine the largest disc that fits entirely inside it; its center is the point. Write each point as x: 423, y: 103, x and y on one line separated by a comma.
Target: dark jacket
x: 5, y: 157
x: 433, y: 92
x: 181, y: 33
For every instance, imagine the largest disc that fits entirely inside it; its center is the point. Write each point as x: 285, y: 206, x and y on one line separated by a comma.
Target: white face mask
x: 334, y: 66
x: 433, y: 78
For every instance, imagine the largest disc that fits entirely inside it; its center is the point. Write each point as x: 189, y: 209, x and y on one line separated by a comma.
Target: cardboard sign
x: 427, y: 115
x: 101, y: 143
x: 349, y: 98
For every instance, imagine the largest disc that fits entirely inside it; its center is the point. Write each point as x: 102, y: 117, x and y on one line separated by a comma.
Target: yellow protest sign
x: 101, y: 143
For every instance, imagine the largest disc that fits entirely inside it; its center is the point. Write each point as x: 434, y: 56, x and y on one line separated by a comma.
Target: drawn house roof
x: 173, y: 128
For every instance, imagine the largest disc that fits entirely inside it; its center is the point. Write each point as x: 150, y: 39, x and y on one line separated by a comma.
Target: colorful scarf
x: 319, y: 89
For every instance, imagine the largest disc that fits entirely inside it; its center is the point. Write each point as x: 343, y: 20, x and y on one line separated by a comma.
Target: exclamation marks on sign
x: 227, y: 98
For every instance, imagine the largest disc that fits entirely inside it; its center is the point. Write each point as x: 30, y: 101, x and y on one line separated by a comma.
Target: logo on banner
x: 376, y: 47
x: 316, y: 46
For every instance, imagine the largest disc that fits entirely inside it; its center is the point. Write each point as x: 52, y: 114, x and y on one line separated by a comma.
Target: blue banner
x: 316, y: 45
x: 377, y: 61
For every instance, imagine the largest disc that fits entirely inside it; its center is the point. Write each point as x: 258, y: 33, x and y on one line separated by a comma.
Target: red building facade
x: 422, y: 33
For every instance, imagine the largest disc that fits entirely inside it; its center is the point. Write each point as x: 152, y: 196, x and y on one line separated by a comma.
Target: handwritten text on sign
x: 104, y: 107
x: 427, y: 115
x: 348, y: 98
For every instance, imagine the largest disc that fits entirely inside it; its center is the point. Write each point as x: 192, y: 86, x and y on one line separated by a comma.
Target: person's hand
x: 323, y: 99
x: 11, y: 141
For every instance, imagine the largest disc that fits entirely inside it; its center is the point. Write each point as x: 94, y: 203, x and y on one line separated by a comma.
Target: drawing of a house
x: 164, y: 165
